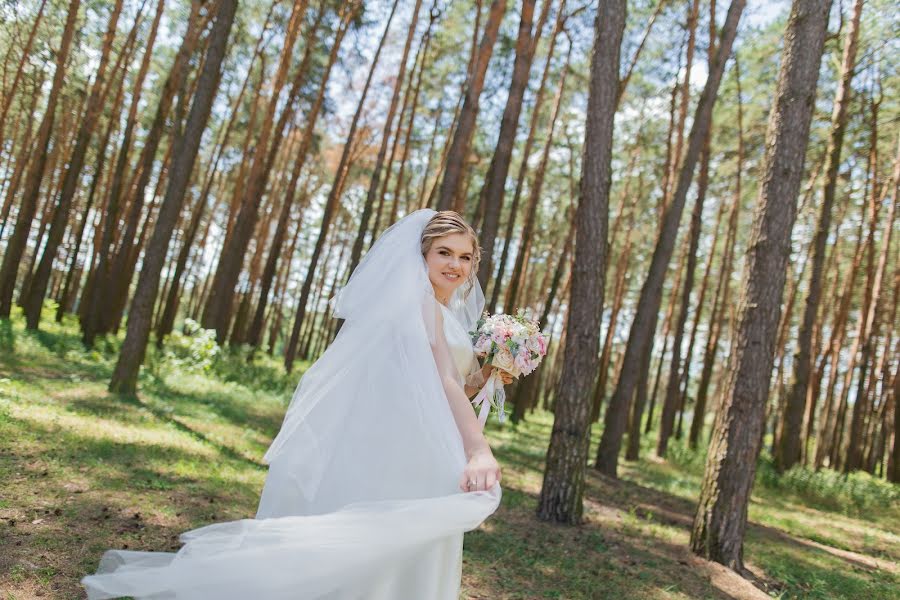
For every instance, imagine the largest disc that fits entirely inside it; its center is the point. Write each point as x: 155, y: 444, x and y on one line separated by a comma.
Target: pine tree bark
x: 563, y: 485
x: 721, y: 517
x: 331, y: 203
x: 525, y: 239
x: 651, y: 293
x: 869, y: 318
x: 15, y: 247
x: 491, y: 196
x: 523, y: 167
x: 788, y: 451
x: 72, y: 273
x: 111, y: 267
x: 375, y: 178
x: 124, y: 378
x: 450, y: 197
x: 217, y: 314
x: 34, y: 301
x: 20, y: 70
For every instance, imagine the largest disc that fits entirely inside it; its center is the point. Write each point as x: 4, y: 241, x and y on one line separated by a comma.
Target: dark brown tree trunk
x: 34, y: 301
x: 720, y: 300
x: 124, y: 378
x: 651, y: 293
x: 563, y: 485
x: 721, y: 518
x: 829, y: 416
x: 454, y: 169
x: 15, y: 247
x: 788, y: 451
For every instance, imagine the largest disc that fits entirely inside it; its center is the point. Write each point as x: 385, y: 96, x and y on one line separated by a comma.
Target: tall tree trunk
x: 563, y: 485
x: 124, y: 378
x: 720, y: 300
x: 523, y: 167
x: 254, y: 336
x: 331, y: 202
x: 491, y: 196
x: 454, y: 170
x: 651, y: 293
x: 38, y: 287
x: 217, y: 314
x: 828, y: 417
x: 20, y: 70
x: 788, y: 451
x: 111, y: 267
x: 15, y: 247
x: 375, y: 178
x: 525, y: 240
x: 721, y: 518
x: 869, y: 316
x: 674, y: 399
x: 66, y: 300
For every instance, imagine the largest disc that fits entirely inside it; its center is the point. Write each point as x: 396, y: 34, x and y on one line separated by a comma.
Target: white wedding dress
x: 361, y: 501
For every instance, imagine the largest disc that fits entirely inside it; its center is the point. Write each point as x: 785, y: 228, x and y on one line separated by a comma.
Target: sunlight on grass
x: 84, y: 470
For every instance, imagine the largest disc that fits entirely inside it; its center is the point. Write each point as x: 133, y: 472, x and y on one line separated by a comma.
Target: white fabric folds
x: 361, y: 498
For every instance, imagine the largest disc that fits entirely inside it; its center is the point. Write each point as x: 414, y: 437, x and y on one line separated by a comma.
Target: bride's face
x: 449, y: 263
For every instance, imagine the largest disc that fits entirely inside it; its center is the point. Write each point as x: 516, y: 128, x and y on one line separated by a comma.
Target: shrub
x: 192, y: 349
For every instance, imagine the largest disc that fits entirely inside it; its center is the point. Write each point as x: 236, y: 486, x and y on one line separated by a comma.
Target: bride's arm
x: 481, y: 468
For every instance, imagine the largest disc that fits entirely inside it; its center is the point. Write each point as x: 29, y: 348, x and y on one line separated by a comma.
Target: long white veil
x: 364, y: 470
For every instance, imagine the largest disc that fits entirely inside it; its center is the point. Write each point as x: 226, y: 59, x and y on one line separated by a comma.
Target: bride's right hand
x: 481, y: 472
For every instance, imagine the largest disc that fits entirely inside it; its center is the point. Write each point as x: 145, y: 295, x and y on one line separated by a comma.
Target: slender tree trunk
x: 721, y: 518
x: 124, y: 378
x: 38, y: 287
x: 217, y: 314
x: 111, y: 267
x: 523, y: 167
x: 331, y: 204
x: 720, y: 300
x: 563, y: 485
x: 15, y: 247
x: 788, y: 451
x: 20, y: 70
x: 66, y: 300
x: 375, y: 179
x: 651, y: 293
x: 491, y: 196
x: 518, y: 274
x: 869, y: 317
x: 454, y: 171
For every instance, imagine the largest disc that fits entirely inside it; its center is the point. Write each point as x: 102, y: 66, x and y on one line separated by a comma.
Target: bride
x: 380, y: 464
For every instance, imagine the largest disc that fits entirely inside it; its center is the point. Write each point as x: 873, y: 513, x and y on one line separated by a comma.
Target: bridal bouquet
x: 514, y: 344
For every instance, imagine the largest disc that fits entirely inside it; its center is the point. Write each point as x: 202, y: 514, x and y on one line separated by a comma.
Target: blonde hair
x: 448, y: 222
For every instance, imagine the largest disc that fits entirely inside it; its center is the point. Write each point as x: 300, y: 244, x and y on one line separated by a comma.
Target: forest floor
x: 82, y: 471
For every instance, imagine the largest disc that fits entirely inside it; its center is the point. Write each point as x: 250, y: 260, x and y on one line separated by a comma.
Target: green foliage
x: 847, y: 492
x: 192, y: 349
x: 255, y: 369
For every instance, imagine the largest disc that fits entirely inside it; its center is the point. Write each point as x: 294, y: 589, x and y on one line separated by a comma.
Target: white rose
x: 504, y: 360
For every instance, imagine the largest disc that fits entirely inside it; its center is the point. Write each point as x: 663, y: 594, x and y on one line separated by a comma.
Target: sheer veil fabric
x: 361, y: 500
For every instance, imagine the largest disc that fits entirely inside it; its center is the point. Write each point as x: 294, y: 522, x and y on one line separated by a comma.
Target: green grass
x: 82, y: 471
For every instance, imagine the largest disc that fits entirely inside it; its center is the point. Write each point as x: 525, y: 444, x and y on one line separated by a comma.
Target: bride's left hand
x: 506, y: 377
x: 481, y: 472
